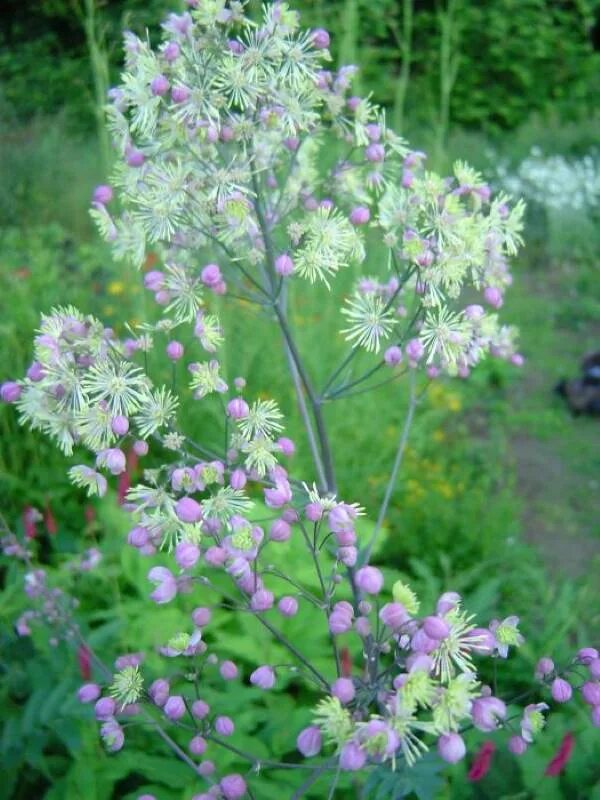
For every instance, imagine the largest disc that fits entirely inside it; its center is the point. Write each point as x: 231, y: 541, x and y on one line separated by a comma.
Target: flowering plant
x: 250, y: 168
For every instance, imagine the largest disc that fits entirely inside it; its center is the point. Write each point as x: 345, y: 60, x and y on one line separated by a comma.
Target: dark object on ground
x: 583, y: 394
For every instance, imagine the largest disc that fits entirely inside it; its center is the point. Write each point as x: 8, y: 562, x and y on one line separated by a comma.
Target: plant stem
x: 396, y: 466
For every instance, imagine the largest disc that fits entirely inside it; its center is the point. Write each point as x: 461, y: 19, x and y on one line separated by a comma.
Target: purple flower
x: 105, y: 708
x: 284, y: 265
x: 103, y: 194
x: 288, y: 606
x: 211, y: 276
x: 392, y: 356
x: 544, y: 667
x: 590, y: 691
x: 186, y: 554
x: 180, y: 94
x: 159, y: 691
x: 352, y: 757
x: 175, y: 350
x: 451, y: 747
x: 343, y: 689
x: 394, y: 615
x: 262, y: 600
x: 369, y: 580
x: 201, y: 616
x: 360, y: 215
x: 166, y: 585
x: 415, y: 350
x: 517, y: 745
x: 486, y: 712
x: 135, y: 158
x: 174, y: 708
x: 493, y: 296
x: 436, y: 628
x: 197, y: 745
x: 224, y: 726
x: 594, y: 668
x: 188, y: 510
x: 287, y: 446
x: 263, y: 677
x: 200, y: 709
x: 320, y: 38
x: 561, y: 690
x: 587, y: 654
x: 233, y: 787
x: 112, y: 735
x: 238, y: 408
x: 228, y: 670
x: 88, y: 693
x: 280, y: 531
x: 309, y: 741
x: 159, y: 86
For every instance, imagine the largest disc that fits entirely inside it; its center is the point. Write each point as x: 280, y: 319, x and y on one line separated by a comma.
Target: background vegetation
x: 497, y: 494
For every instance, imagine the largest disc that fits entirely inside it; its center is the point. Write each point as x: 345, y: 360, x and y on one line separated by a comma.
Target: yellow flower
x: 453, y: 402
x: 115, y: 287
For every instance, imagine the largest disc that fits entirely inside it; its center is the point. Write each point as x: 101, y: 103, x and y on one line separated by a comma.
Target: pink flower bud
x: 88, y: 693
x: 352, y: 757
x: 197, y: 745
x: 140, y: 448
x: 180, y: 94
x: 339, y: 622
x: 309, y: 741
x: 369, y: 580
x: 348, y: 555
x: 284, y: 265
x: 517, y: 745
x: 188, y: 510
x: 228, y: 670
x: 360, y: 215
x: 493, y: 296
x: 590, y: 691
x: 394, y: 615
x: 451, y: 747
x: 224, y: 726
x: 287, y: 447
x: 119, y: 425
x: 233, y: 787
x: 280, y: 531
x: 102, y: 194
x: 174, y: 708
x: 211, y: 275
x: 375, y: 152
x: 263, y: 677
x: 288, y: 606
x: 237, y: 408
x: 415, y: 350
x: 392, y: 356
x: 544, y: 667
x: 159, y: 692
x: 105, y: 708
x: 186, y: 554
x: 561, y: 690
x: 159, y: 86
x: 594, y: 668
x: 343, y: 689
x: 175, y: 350
x: 171, y: 52
x: 135, y: 158
x: 262, y: 600
x: 200, y: 709
x: 436, y: 628
x: 587, y: 654
x: 320, y: 39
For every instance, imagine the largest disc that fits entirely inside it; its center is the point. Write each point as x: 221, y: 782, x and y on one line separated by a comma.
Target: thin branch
x: 395, y: 468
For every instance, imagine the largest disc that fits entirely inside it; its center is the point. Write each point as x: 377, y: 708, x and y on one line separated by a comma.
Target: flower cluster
x: 226, y: 134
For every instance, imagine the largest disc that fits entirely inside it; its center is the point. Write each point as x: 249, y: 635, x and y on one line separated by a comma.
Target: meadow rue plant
x: 249, y: 168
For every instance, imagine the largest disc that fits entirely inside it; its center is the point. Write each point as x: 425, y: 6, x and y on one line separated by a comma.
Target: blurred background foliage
x: 497, y: 496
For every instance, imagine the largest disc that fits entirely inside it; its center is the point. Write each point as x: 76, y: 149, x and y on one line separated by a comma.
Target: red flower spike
x: 85, y: 662
x: 563, y: 754
x: 50, y: 520
x: 346, y: 662
x: 482, y: 761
